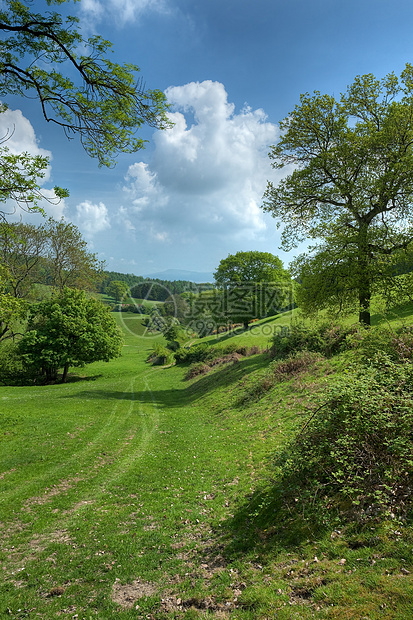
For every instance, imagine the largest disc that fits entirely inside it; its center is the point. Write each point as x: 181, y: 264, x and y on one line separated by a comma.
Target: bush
x: 396, y: 343
x: 325, y: 338
x: 197, y: 369
x: 295, y: 364
x: 202, y: 368
x: 197, y: 353
x: 160, y: 355
x: 206, y: 353
x: 12, y: 370
x: 353, y: 458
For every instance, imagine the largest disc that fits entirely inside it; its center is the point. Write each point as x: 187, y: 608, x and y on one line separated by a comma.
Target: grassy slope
x: 135, y: 482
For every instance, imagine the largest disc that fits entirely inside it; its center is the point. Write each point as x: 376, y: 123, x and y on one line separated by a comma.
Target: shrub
x: 197, y: 353
x: 12, y: 370
x: 396, y: 343
x: 294, y: 364
x: 206, y: 353
x: 160, y: 355
x: 197, y: 369
x: 353, y: 458
x: 324, y: 338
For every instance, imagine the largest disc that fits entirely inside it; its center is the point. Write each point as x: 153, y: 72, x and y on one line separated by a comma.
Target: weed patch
x: 293, y: 365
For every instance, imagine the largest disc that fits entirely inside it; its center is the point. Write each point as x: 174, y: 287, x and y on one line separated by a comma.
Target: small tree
x: 254, y: 285
x: 71, y: 329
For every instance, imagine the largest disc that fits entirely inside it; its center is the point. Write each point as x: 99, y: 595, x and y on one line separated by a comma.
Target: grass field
x: 132, y: 493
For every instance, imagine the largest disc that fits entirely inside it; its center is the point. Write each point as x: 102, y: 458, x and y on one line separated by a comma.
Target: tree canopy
x: 253, y: 284
x: 118, y: 289
x: 351, y: 189
x: 70, y: 329
x: 250, y: 266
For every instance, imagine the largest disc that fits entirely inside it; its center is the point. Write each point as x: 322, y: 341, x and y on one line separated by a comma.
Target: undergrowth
x: 294, y: 364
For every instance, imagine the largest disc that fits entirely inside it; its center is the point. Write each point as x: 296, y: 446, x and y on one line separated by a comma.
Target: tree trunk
x: 364, y: 313
x: 364, y: 291
x: 65, y: 371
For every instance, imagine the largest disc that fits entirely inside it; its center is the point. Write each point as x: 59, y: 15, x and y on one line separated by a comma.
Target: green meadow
x: 131, y: 492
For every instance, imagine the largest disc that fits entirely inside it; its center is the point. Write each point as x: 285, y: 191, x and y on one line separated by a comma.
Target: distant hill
x: 182, y: 274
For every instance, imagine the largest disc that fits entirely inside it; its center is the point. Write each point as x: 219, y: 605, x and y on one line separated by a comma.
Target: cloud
x: 92, y: 218
x: 208, y: 173
x: 18, y: 135
x: 122, y: 11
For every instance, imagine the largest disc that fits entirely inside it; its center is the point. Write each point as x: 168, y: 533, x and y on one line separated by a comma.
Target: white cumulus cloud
x: 92, y: 218
x: 208, y: 173
x: 18, y: 135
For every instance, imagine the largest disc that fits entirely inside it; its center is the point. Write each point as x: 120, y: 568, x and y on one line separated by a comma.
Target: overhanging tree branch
x: 105, y: 104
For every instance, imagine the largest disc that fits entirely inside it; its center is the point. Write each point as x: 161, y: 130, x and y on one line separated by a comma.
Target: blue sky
x: 232, y: 69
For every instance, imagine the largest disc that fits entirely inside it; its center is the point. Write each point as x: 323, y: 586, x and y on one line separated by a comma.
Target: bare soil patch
x: 126, y: 595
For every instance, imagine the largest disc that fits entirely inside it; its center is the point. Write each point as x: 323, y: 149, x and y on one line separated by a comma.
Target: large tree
x: 351, y: 189
x: 252, y: 285
x: 70, y: 329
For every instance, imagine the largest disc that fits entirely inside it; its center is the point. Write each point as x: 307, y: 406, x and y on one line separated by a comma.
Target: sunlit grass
x: 130, y: 477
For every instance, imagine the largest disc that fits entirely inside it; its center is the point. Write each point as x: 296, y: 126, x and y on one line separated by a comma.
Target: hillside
x: 132, y: 492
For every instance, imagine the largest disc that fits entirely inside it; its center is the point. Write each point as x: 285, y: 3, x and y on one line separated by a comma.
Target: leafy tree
x: 117, y: 289
x: 351, y: 189
x: 44, y: 55
x: 254, y: 284
x: 250, y: 267
x: 69, y: 262
x: 22, y: 248
x: 11, y: 309
x: 71, y: 329
x: 54, y: 253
